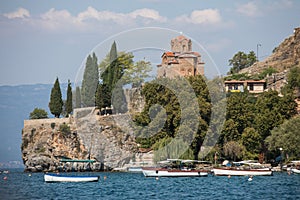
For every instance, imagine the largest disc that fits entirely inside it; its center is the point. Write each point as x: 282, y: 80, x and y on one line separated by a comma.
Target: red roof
x: 168, y: 54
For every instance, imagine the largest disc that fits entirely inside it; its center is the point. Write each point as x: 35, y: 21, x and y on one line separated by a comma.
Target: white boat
x: 174, y: 168
x: 297, y: 171
x: 134, y: 169
x: 161, y: 172
x: 64, y: 178
x: 242, y: 172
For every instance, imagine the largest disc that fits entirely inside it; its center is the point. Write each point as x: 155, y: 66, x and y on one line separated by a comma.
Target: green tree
x: 56, y: 102
x: 179, y: 118
x: 137, y: 74
x: 233, y: 149
x: 251, y: 140
x: 118, y: 100
x: 112, y: 69
x: 38, y: 113
x: 99, y: 99
x: 90, y: 81
x: 287, y: 137
x: 251, y: 58
x: 240, y: 110
x: 77, y: 98
x: 230, y: 131
x: 293, y: 79
x: 241, y: 60
x: 271, y: 112
x: 69, y: 101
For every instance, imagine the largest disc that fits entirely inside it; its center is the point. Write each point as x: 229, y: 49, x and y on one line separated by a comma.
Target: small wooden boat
x: 296, y: 171
x: 242, y: 172
x: 174, y: 168
x: 161, y: 172
x: 135, y: 169
x: 69, y: 178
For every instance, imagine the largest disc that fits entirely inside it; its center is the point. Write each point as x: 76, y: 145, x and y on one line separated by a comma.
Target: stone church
x: 181, y: 60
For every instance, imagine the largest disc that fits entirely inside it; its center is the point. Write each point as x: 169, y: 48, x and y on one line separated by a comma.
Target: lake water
x: 127, y: 186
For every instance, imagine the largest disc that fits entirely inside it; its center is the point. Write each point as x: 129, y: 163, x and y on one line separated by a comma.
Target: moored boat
x: 134, y: 169
x: 174, y: 168
x: 242, y: 172
x: 161, y: 172
x: 294, y: 170
x: 69, y: 178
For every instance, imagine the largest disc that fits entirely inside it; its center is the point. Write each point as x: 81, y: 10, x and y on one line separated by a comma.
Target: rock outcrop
x: 285, y: 56
x: 83, y: 136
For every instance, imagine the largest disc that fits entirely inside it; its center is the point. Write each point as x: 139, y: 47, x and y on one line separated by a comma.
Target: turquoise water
x: 127, y: 186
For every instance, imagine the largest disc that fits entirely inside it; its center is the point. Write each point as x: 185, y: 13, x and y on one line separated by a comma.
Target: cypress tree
x: 68, y: 105
x: 99, y: 98
x: 113, y: 53
x: 56, y: 102
x: 77, y: 98
x: 119, y: 100
x: 90, y: 81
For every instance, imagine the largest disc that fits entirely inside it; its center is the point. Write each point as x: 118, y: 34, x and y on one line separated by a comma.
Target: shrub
x: 65, y: 129
x: 52, y: 125
x: 38, y: 113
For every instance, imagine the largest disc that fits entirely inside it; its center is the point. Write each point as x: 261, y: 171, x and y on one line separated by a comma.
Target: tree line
x: 101, y: 86
x: 253, y: 126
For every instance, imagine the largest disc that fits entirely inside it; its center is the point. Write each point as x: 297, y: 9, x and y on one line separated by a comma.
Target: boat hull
x: 157, y: 172
x: 237, y: 172
x: 135, y: 169
x: 297, y: 171
x: 60, y: 178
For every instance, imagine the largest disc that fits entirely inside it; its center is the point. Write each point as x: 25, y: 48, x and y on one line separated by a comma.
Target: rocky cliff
x: 85, y: 135
x: 283, y: 58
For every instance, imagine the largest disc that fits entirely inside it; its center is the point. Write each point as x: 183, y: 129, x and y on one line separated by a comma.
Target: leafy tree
x: 251, y: 140
x: 240, y: 110
x: 137, y: 74
x: 179, y: 118
x: 293, y: 79
x: 251, y: 58
x: 56, y: 102
x: 233, y: 149
x: 68, y: 103
x: 287, y: 137
x: 271, y: 111
x: 112, y: 69
x: 241, y: 60
x: 90, y: 81
x: 77, y: 98
x: 38, y: 113
x: 230, y: 131
x: 267, y: 114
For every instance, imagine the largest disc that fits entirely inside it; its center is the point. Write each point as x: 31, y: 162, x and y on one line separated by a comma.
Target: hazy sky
x: 42, y: 40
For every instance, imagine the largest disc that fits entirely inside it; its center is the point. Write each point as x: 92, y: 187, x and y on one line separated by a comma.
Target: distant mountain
x: 16, y: 103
